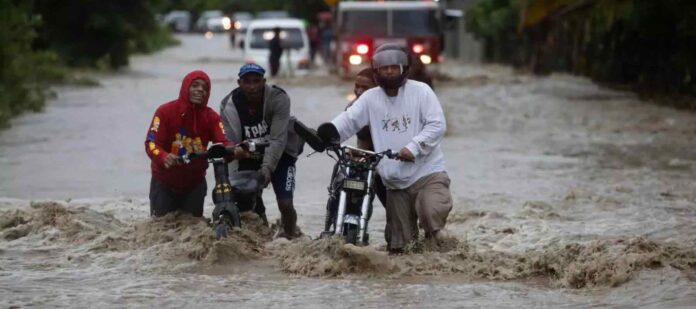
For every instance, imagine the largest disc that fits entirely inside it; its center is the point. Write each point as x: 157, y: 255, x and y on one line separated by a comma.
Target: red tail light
x: 362, y: 49
x: 418, y: 48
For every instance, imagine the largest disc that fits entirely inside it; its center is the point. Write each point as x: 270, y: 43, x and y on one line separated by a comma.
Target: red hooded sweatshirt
x: 181, y: 127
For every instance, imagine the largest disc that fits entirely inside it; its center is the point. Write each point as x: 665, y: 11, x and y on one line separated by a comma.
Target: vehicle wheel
x: 350, y: 233
x: 221, y: 230
x: 234, y: 218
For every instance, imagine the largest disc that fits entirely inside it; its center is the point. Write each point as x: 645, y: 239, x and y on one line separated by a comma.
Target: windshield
x: 364, y: 22
x: 404, y: 22
x: 413, y: 23
x: 289, y: 38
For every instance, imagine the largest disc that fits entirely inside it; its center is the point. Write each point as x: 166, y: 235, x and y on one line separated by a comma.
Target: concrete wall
x: 459, y: 44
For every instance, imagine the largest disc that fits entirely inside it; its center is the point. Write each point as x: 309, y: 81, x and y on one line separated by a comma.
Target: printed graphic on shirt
x: 151, y: 144
x: 155, y: 124
x: 396, y: 124
x: 256, y: 131
x: 185, y: 145
x: 222, y: 127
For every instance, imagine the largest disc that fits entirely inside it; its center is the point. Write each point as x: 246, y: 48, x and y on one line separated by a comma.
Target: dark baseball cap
x: 251, y: 68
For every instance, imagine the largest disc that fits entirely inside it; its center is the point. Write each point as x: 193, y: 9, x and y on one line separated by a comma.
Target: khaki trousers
x: 428, y: 202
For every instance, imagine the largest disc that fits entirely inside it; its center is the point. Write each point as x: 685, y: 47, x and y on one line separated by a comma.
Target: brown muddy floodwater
x: 566, y: 195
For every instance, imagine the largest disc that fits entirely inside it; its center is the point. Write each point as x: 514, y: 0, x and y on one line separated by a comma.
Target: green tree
x: 87, y: 32
x: 24, y: 73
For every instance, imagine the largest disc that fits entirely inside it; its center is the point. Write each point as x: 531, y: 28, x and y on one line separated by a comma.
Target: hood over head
x: 188, y: 80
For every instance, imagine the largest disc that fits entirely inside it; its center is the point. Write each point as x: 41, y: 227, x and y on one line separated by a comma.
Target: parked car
x: 202, y: 22
x: 178, y: 21
x: 272, y: 15
x: 218, y: 24
x: 293, y: 37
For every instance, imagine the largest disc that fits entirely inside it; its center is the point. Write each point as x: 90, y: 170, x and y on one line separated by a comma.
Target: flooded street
x: 567, y: 194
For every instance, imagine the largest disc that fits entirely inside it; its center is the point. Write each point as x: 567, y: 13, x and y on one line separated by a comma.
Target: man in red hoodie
x: 180, y: 127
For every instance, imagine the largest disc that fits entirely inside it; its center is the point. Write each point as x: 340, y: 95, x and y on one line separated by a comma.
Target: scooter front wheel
x: 233, y: 216
x: 221, y: 230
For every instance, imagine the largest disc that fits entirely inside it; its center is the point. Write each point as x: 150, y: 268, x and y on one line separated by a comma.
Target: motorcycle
x: 231, y: 195
x: 351, y: 188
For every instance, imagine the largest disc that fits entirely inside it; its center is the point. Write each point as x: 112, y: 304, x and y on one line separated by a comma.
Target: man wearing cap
x: 257, y: 110
x: 405, y: 116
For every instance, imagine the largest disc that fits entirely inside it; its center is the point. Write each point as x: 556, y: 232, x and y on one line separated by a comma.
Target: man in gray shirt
x: 257, y: 110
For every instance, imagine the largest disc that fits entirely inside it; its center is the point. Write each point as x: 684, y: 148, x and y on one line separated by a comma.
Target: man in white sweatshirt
x: 404, y: 115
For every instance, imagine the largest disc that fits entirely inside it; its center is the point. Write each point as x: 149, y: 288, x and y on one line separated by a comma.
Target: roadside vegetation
x: 645, y: 44
x: 44, y: 42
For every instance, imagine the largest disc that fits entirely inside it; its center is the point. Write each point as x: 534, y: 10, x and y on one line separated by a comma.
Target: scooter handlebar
x: 214, y: 151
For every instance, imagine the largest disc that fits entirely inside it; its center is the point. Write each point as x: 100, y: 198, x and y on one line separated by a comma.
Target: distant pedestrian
x: 313, y: 36
x: 326, y: 36
x: 276, y: 49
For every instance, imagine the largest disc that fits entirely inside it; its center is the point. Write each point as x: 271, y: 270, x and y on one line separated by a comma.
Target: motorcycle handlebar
x: 214, y: 151
x: 387, y: 153
x: 220, y: 151
x: 254, y: 146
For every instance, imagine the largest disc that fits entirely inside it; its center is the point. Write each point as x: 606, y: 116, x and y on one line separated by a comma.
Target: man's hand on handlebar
x: 171, y: 160
x: 240, y: 153
x: 406, y: 155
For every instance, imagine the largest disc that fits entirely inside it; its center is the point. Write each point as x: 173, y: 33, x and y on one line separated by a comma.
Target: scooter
x: 351, y: 188
x: 235, y: 195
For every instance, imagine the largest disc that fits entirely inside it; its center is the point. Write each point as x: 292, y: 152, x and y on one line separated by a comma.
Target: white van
x: 293, y: 36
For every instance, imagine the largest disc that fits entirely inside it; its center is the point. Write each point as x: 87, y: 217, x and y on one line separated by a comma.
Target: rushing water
x: 566, y: 194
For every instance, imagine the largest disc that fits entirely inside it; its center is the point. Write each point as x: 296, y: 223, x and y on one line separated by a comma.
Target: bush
x: 87, y: 32
x: 24, y: 73
x: 649, y: 44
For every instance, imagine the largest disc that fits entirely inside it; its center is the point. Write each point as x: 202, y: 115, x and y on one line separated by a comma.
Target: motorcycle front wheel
x: 350, y: 233
x: 233, y: 216
x: 221, y: 230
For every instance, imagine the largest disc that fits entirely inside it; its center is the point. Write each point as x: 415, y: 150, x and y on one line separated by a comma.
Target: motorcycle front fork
x: 363, y: 210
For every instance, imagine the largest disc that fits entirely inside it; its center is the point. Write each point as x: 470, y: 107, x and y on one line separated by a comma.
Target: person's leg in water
x: 402, y: 220
x: 260, y: 209
x: 288, y: 217
x: 192, y: 202
x: 162, y: 201
x: 283, y: 180
x: 433, y: 204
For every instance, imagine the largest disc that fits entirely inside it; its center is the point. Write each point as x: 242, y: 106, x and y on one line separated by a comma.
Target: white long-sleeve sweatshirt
x: 412, y: 119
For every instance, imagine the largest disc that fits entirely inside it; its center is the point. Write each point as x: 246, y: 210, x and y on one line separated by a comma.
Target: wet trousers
x: 427, y: 202
x: 164, y: 201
